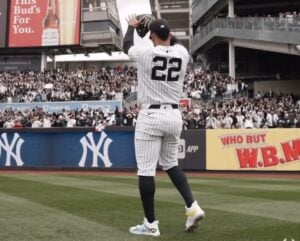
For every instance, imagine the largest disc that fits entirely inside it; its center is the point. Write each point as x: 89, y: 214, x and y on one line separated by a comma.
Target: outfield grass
x: 96, y: 207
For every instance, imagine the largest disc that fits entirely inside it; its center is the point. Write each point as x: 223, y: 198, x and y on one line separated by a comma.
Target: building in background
x: 248, y: 38
x: 178, y: 14
x: 101, y: 28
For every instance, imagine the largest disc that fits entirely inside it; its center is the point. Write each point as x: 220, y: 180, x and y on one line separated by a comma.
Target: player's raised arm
x: 142, y: 24
x: 128, y: 40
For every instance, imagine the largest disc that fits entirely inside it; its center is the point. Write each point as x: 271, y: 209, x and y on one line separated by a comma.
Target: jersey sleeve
x: 136, y: 52
x: 183, y: 51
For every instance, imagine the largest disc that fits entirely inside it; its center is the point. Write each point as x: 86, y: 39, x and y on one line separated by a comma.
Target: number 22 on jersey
x: 173, y: 65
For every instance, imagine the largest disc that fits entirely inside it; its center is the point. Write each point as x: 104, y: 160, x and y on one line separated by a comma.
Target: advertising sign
x: 64, y: 105
x: 3, y: 11
x: 264, y: 149
x: 185, y: 102
x: 80, y: 149
x: 37, y: 23
x: 191, y: 153
x: 14, y: 63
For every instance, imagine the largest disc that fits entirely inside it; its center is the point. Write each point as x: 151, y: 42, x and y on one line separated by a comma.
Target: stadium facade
x: 250, y: 39
x: 178, y: 13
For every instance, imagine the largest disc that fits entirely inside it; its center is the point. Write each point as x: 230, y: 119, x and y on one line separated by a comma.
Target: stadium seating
x: 221, y: 101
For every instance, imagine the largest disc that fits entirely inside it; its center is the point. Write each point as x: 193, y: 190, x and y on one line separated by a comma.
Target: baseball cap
x: 161, y: 28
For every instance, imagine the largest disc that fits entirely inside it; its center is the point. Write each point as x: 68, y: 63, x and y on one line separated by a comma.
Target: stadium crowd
x: 209, y: 89
x: 267, y: 110
x: 292, y: 15
x: 284, y: 19
x: 201, y: 83
x: 280, y: 22
x: 38, y: 118
x: 104, y: 84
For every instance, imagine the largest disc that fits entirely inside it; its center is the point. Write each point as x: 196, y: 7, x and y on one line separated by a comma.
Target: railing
x: 101, y: 37
x: 99, y: 5
x: 103, y: 5
x: 94, y: 9
x: 179, y: 32
x: 200, y: 8
x: 252, y: 23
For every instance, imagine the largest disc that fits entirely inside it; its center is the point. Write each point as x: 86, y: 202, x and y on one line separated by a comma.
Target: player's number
x: 175, y: 67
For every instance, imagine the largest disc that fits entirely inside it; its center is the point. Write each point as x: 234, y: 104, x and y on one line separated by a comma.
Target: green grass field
x: 83, y: 207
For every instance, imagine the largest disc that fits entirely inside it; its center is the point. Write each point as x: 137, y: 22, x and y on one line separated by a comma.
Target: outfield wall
x: 83, y: 148
x: 68, y: 148
x: 86, y: 148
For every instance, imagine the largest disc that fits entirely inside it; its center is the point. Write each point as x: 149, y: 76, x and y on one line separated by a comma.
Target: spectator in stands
x: 47, y: 121
x: 71, y: 121
x: 239, y: 120
x: 227, y: 121
x: 190, y: 122
x: 36, y: 123
x: 219, y: 122
x: 297, y: 121
x: 211, y: 121
x: 9, y: 123
x: 258, y: 119
x: 248, y: 124
x: 272, y: 119
x: 18, y: 124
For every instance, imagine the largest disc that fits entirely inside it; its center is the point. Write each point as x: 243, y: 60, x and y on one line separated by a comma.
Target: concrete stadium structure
x: 247, y: 38
x: 178, y: 14
x: 101, y: 28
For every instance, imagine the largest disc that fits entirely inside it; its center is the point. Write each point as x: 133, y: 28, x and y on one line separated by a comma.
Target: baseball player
x: 161, y: 71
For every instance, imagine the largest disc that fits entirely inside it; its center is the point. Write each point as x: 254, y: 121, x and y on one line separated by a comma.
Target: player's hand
x: 132, y: 21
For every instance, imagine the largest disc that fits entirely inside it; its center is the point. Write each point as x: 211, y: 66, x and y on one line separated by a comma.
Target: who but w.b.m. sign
x: 262, y: 149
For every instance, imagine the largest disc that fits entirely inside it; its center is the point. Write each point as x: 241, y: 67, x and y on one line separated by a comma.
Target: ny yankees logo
x: 88, y: 142
x: 8, y: 148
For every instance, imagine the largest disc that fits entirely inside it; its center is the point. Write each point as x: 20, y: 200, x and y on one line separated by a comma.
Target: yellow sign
x: 261, y: 149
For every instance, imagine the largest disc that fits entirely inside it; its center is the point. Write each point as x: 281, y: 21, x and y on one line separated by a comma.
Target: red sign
x: 248, y: 157
x: 36, y: 23
x: 186, y: 102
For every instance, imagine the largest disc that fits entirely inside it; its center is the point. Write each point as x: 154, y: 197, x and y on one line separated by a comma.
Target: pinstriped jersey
x: 161, y: 72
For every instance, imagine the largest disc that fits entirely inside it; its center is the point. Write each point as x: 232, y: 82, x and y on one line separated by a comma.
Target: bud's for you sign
x: 267, y: 149
x: 35, y: 23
